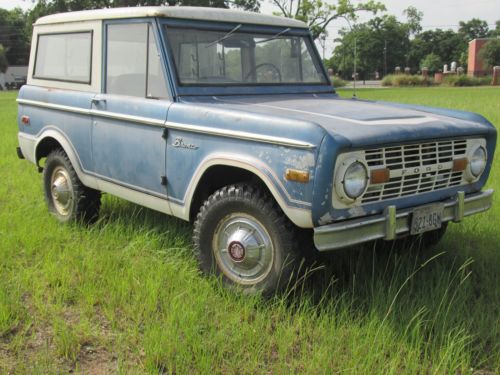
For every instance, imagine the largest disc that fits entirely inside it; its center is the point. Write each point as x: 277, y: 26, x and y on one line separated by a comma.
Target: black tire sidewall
x: 56, y: 159
x: 266, y: 215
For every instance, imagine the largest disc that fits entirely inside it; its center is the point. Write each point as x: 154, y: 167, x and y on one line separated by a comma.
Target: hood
x: 359, y: 122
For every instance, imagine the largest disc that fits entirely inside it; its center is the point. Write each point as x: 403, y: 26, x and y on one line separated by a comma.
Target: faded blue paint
x: 274, y: 160
x: 75, y: 127
x: 135, y: 155
x: 127, y: 151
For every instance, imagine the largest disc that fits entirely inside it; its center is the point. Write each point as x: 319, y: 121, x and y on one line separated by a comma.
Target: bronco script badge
x: 179, y: 143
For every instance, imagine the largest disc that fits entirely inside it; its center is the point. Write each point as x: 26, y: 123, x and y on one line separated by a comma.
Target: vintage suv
x: 229, y: 119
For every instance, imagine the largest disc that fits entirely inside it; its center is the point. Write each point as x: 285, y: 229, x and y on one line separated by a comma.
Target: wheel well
x: 218, y: 176
x: 45, y: 147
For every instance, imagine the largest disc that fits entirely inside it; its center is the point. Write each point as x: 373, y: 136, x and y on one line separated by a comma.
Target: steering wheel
x: 254, y: 70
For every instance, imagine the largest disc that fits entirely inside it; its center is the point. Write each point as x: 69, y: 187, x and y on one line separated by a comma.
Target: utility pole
x: 385, y: 57
x: 355, y: 55
x: 355, y: 71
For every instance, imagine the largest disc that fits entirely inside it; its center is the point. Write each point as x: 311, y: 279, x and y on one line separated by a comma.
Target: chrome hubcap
x: 243, y: 248
x: 61, y: 191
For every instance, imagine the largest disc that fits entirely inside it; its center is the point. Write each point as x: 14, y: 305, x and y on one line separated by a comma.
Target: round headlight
x: 478, y: 161
x: 355, y: 180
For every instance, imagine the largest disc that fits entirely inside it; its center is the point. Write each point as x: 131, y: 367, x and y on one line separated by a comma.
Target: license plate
x: 426, y: 218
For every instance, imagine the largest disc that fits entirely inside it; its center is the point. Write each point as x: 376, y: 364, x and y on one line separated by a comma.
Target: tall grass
x: 125, y: 294
x: 464, y: 80
x: 398, y: 80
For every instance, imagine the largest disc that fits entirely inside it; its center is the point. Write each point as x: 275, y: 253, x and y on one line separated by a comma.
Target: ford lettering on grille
x: 415, y: 168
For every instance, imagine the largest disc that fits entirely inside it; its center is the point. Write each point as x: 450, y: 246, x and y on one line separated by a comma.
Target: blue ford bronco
x: 228, y: 119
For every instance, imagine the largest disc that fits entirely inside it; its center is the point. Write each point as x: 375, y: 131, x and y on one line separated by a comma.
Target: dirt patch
x: 36, y: 347
x: 96, y: 361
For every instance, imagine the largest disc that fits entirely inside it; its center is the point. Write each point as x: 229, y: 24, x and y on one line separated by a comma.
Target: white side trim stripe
x: 253, y: 137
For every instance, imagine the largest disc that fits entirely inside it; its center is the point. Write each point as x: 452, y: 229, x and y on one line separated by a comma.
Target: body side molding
x: 227, y: 133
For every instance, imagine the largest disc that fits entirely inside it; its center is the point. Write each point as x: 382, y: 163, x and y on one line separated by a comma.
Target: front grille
x: 415, y: 168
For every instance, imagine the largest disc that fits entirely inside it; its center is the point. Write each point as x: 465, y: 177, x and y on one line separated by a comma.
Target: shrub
x: 337, y: 82
x: 406, y: 80
x: 463, y: 80
x: 387, y: 80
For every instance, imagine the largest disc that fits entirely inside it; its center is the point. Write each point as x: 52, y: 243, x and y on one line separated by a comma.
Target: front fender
x: 299, y: 216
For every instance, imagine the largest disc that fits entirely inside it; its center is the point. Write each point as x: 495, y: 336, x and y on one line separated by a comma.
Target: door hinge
x: 163, y: 180
x: 165, y: 134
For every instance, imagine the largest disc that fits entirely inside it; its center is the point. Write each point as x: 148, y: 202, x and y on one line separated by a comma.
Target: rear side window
x: 133, y: 62
x: 64, y: 57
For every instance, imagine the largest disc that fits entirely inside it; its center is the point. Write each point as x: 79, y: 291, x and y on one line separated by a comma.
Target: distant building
x: 475, y: 66
x: 15, y: 76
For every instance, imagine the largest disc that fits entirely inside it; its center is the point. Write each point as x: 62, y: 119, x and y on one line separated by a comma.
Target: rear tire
x: 241, y: 235
x: 67, y: 198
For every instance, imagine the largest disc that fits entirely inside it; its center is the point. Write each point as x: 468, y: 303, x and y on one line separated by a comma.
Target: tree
x: 447, y: 44
x: 496, y: 32
x: 14, y: 36
x: 490, y: 53
x: 4, y: 64
x: 381, y: 43
x: 473, y: 29
x: 387, y: 43
x: 414, y: 18
x: 318, y: 14
x: 432, y: 62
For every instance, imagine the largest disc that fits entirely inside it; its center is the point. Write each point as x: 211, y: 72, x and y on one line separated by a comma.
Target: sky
x: 444, y: 14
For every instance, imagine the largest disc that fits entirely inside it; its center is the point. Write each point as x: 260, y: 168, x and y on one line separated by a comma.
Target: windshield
x: 206, y: 57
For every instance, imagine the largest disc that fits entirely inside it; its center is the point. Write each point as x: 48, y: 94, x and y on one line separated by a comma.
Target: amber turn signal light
x: 297, y: 175
x: 379, y: 176
x: 460, y: 164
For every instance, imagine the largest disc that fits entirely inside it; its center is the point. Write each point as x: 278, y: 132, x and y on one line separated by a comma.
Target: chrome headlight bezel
x: 345, y: 193
x: 477, y: 160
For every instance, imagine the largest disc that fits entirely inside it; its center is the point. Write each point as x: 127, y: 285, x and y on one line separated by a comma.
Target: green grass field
x: 125, y: 295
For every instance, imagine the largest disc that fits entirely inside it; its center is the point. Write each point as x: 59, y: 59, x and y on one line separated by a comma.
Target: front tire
x: 67, y: 198
x: 241, y: 235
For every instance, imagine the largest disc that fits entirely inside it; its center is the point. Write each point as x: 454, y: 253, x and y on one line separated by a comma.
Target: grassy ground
x: 125, y: 295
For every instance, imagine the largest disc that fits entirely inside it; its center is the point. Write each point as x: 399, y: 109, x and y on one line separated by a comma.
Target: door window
x: 133, y: 62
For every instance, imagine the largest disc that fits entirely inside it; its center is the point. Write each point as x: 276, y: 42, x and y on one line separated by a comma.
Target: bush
x: 432, y: 62
x: 387, y: 80
x: 406, y: 80
x: 463, y: 80
x: 337, y: 82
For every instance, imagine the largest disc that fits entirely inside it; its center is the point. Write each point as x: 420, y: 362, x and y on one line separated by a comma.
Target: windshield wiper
x: 274, y: 37
x: 224, y: 37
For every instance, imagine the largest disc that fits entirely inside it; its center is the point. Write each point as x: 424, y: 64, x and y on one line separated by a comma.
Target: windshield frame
x: 250, y: 87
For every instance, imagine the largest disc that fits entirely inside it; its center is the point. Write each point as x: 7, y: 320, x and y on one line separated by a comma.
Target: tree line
x: 384, y: 43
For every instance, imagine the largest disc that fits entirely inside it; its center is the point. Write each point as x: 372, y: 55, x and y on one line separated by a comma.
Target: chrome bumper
x: 393, y: 223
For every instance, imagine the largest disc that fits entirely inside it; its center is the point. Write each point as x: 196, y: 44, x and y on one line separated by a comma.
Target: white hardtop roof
x: 194, y: 13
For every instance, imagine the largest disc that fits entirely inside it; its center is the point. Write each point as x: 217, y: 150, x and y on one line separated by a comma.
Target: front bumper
x: 393, y: 223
